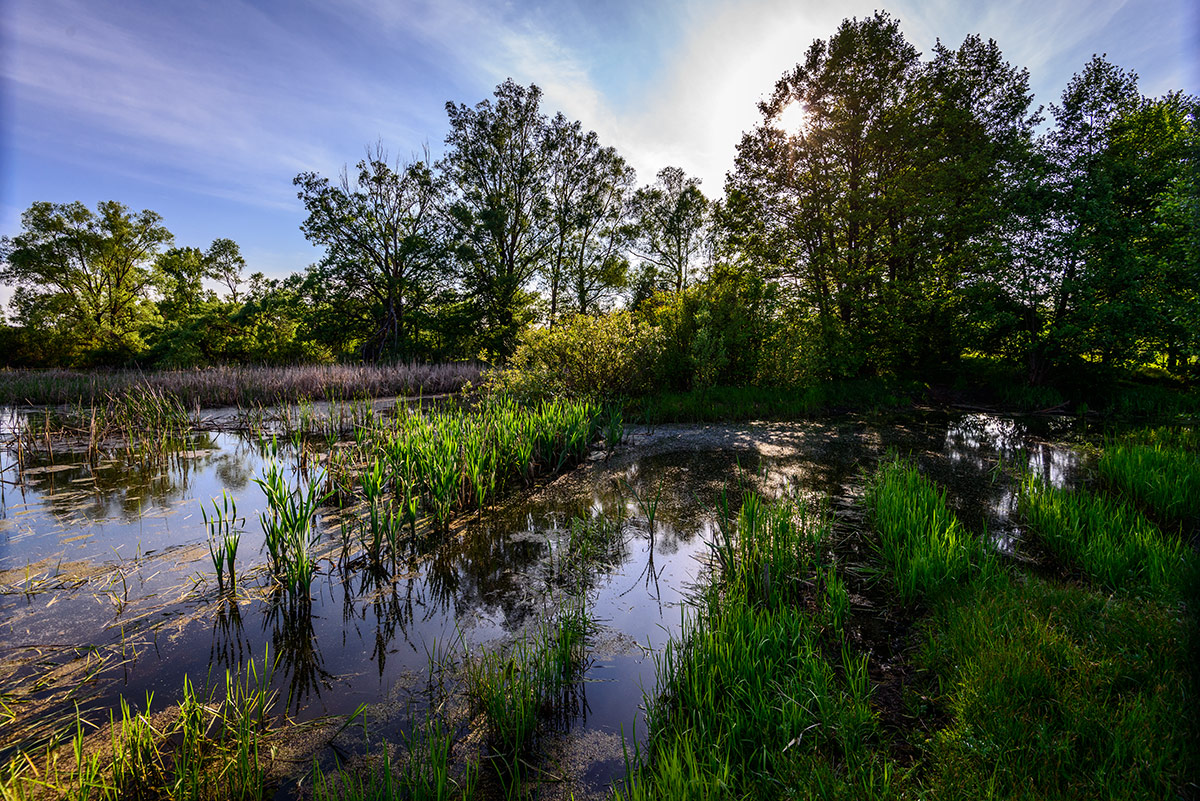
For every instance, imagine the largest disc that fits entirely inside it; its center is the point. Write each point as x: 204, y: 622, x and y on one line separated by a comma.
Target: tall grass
x: 753, y: 698
x: 224, y: 535
x: 209, y: 746
x: 435, y: 463
x: 230, y: 386
x: 926, y: 548
x: 1159, y: 470
x: 516, y: 690
x: 1058, y: 692
x: 1111, y: 542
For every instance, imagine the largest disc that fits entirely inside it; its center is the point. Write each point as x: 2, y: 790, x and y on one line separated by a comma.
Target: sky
x: 205, y: 112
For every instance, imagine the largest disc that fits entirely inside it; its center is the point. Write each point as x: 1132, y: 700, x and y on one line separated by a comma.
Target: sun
x: 791, y: 119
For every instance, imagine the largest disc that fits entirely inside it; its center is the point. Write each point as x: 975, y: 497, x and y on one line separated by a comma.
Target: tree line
x: 919, y: 210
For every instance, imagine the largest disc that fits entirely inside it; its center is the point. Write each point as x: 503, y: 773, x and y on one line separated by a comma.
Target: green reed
x: 288, y: 526
x: 515, y: 690
x: 224, y: 534
x: 1112, y: 543
x: 208, y: 746
x: 927, y: 549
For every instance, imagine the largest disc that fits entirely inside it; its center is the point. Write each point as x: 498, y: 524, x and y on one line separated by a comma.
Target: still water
x: 107, y: 587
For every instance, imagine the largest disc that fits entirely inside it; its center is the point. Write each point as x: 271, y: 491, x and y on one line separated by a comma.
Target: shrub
x: 585, y: 357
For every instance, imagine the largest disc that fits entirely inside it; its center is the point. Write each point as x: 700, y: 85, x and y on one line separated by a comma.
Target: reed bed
x: 1159, y: 471
x: 1111, y: 542
x: 231, y: 386
x: 209, y: 746
x: 517, y: 690
x: 757, y: 696
x: 434, y: 463
x: 926, y: 549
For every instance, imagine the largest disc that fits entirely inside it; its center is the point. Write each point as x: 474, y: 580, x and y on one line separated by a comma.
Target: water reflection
x: 494, y: 575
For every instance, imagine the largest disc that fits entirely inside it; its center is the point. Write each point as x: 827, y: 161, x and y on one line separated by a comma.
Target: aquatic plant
x: 515, y: 689
x: 925, y: 547
x: 1158, y: 470
x: 224, y: 534
x: 288, y: 530
x: 1111, y: 542
x: 210, y: 745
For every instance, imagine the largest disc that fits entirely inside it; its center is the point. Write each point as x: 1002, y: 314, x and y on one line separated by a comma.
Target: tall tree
x: 497, y: 165
x: 89, y: 271
x: 669, y: 219
x: 873, y: 212
x: 382, y: 231
x: 587, y: 187
x: 224, y: 263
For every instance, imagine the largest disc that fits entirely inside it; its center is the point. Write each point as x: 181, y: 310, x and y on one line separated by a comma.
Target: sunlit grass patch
x: 759, y: 696
x: 1111, y: 542
x: 211, y: 745
x: 1159, y: 470
x: 927, y: 549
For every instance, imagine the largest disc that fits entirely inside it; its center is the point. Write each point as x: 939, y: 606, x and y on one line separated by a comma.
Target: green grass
x: 1058, y: 692
x: 209, y: 746
x: 1112, y: 543
x: 928, y: 552
x: 757, y: 696
x: 1159, y: 471
x: 424, y: 773
x: 518, y: 689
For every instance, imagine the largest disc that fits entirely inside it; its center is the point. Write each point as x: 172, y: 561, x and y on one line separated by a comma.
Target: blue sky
x: 205, y: 112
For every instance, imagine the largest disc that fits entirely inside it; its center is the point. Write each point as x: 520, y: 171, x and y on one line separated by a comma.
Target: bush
x: 605, y: 357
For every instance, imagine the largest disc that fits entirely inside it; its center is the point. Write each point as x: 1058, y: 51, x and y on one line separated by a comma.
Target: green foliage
x: 606, y: 357
x: 930, y: 554
x: 750, y: 702
x: 83, y: 277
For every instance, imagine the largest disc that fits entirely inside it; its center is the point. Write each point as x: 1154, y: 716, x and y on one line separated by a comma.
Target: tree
x: 179, y: 275
x: 224, y: 263
x: 588, y: 185
x: 384, y: 245
x: 87, y: 274
x: 497, y: 165
x: 669, y: 225
x: 883, y: 206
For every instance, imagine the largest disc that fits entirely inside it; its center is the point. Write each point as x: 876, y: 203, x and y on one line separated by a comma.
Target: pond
x: 107, y: 587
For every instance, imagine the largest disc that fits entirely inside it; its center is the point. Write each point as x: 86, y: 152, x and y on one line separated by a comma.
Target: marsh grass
x: 754, y: 699
x: 423, y: 773
x: 518, y: 690
x: 288, y: 527
x: 1159, y: 471
x: 244, y: 386
x: 927, y: 550
x: 224, y: 535
x: 1059, y: 692
x: 209, y: 746
x: 1114, y: 545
